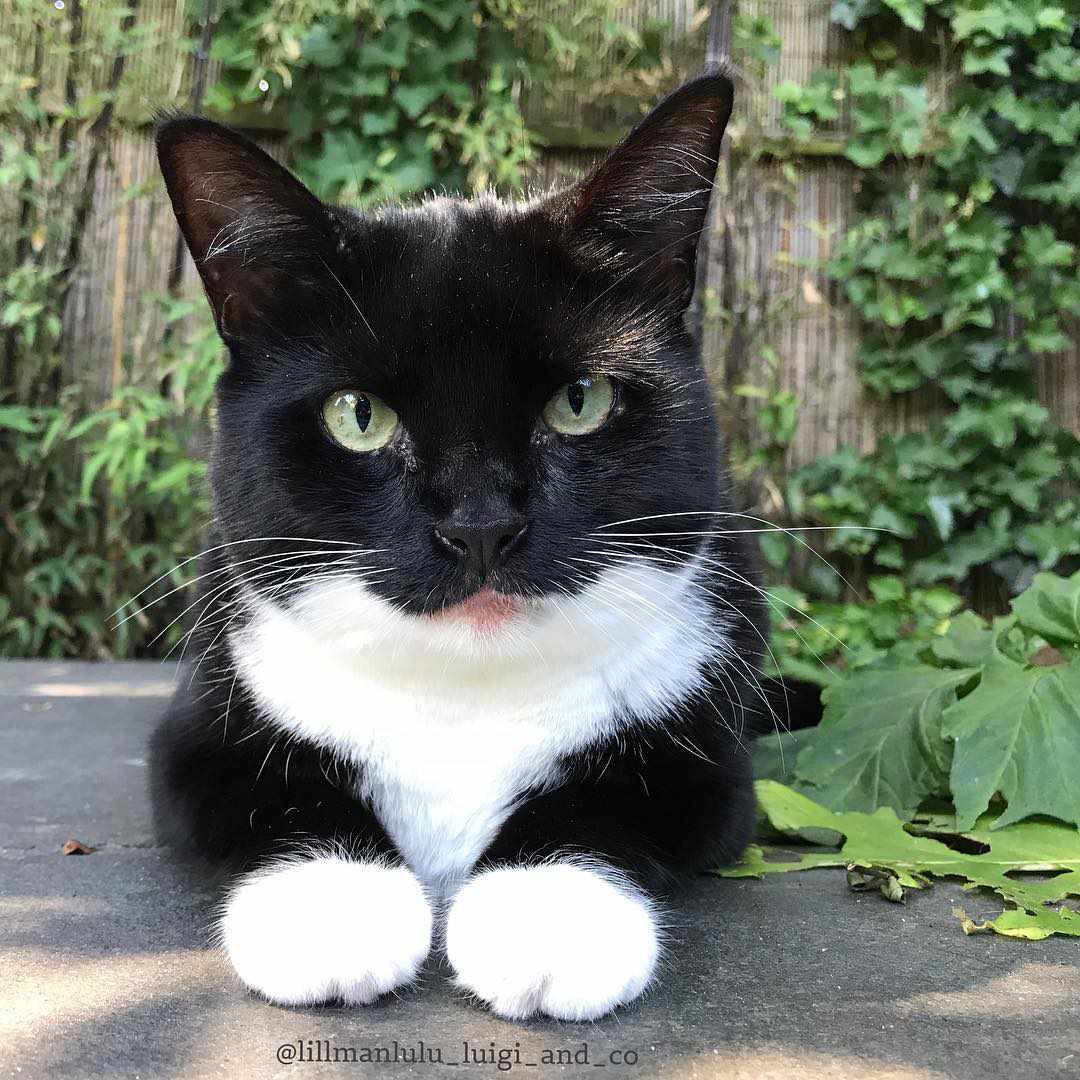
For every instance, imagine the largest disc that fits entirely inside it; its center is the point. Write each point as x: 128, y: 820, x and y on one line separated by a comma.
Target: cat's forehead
x: 454, y: 250
x: 447, y: 280
x: 462, y: 284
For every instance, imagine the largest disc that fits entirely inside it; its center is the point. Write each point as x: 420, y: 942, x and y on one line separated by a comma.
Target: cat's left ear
x: 646, y: 202
x: 255, y: 232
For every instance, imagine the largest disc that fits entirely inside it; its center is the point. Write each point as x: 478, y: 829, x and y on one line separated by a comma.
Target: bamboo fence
x: 779, y: 224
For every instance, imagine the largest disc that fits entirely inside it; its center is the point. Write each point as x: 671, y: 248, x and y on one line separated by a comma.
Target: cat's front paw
x: 558, y: 938
x: 326, y: 929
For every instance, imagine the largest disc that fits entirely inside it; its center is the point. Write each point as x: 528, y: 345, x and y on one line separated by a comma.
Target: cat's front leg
x: 562, y: 917
x: 318, y: 904
x: 318, y: 926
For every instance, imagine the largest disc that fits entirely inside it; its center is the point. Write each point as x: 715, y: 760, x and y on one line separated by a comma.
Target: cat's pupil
x: 575, y: 395
x: 363, y: 412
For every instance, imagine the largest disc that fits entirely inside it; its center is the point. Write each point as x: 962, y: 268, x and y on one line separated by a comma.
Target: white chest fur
x: 452, y: 725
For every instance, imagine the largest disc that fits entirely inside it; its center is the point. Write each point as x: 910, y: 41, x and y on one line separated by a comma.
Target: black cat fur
x: 465, y: 316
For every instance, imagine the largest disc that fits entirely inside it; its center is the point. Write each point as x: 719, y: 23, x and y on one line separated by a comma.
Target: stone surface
x: 106, y: 970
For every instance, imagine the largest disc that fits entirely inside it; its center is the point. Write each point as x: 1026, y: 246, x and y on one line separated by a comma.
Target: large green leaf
x: 1051, y: 607
x: 415, y: 98
x: 979, y: 711
x: 911, y: 12
x: 1017, y: 733
x: 880, y: 742
x: 775, y: 754
x: 969, y: 642
x: 879, y: 843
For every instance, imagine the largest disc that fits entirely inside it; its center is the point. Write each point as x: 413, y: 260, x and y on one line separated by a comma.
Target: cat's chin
x: 486, y: 611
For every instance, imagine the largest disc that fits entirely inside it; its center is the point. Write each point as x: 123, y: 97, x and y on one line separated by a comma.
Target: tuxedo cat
x: 477, y: 640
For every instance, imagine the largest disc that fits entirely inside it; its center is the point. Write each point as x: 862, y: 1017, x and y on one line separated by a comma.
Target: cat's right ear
x: 252, y: 228
x: 645, y: 205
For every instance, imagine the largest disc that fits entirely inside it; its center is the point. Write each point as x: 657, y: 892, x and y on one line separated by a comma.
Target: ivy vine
x: 383, y: 99
x: 962, y: 270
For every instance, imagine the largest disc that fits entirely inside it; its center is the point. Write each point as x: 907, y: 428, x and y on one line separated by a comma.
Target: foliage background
x: 898, y: 210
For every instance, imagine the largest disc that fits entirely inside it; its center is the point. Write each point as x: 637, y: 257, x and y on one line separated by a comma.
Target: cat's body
x: 498, y: 664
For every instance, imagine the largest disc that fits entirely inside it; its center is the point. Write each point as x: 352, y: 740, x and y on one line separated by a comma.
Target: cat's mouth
x: 485, y: 611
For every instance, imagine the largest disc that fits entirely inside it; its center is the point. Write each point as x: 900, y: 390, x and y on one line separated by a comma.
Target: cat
x: 477, y: 644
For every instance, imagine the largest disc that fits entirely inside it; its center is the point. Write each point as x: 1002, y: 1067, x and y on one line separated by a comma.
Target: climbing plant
x: 96, y: 496
x: 964, y: 119
x: 387, y: 98
x: 949, y: 743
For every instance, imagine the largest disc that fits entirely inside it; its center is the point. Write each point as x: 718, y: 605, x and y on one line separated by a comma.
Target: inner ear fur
x: 252, y: 228
x: 645, y: 204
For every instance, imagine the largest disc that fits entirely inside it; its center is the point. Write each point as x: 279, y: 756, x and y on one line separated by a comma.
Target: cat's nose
x: 481, y: 547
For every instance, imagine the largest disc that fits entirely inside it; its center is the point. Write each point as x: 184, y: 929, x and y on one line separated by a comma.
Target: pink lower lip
x: 484, y: 610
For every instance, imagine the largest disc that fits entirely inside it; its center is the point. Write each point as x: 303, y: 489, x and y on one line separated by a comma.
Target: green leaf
x: 89, y: 474
x: 1039, y: 847
x: 990, y: 21
x: 981, y: 545
x: 88, y: 423
x: 776, y: 548
x: 867, y: 153
x: 1055, y: 18
x: 1016, y: 734
x: 18, y: 418
x: 1018, y: 923
x: 912, y: 12
x: 415, y: 99
x: 1006, y: 170
x: 444, y: 14
x: 879, y: 742
x: 914, y: 855
x: 1050, y: 541
x: 941, y: 510
x: 179, y: 475
x: 994, y: 60
x: 775, y: 754
x: 1051, y: 607
x: 871, y: 841
x: 848, y: 13
x: 379, y: 123
x: 322, y: 48
x: 388, y: 49
x: 886, y: 590
x: 968, y: 642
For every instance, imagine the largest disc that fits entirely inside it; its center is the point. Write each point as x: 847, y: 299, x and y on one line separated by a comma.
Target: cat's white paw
x: 326, y: 929
x: 558, y: 938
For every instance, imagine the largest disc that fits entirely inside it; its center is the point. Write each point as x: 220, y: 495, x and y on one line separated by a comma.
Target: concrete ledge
x: 105, y: 969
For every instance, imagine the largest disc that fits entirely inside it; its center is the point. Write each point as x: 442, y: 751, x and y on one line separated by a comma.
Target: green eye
x: 580, y: 407
x: 360, y: 422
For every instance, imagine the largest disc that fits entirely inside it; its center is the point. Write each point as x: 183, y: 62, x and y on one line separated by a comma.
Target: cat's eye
x: 360, y: 422
x: 580, y: 407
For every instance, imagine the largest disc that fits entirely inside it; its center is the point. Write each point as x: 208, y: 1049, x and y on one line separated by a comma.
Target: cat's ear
x: 647, y: 201
x: 252, y: 228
